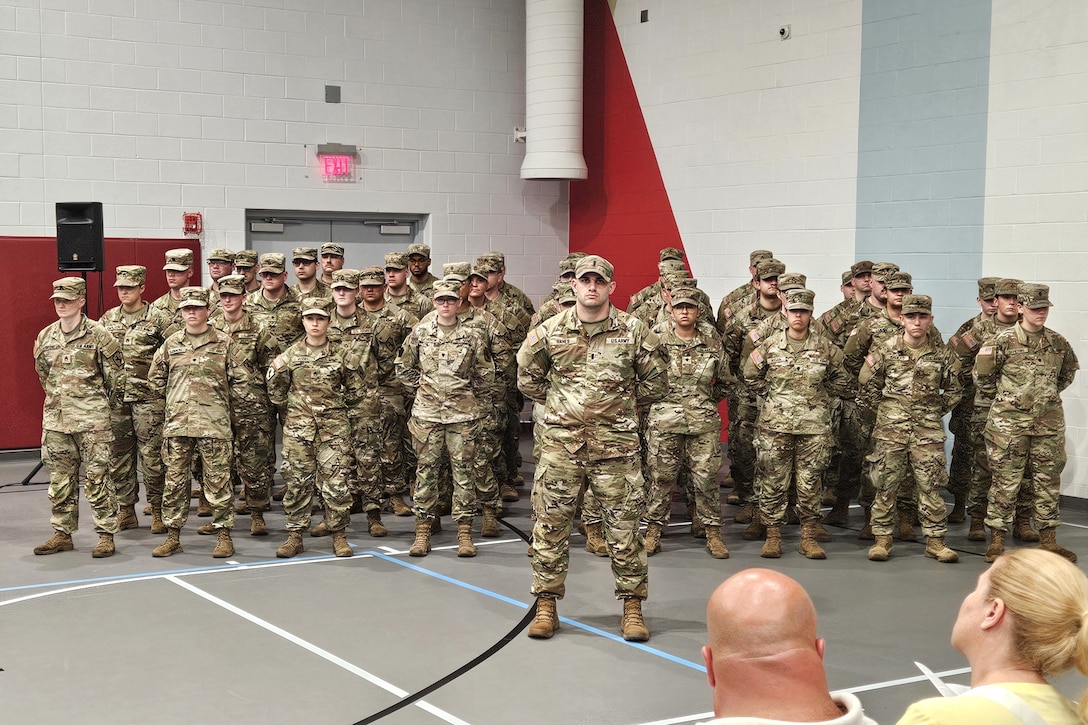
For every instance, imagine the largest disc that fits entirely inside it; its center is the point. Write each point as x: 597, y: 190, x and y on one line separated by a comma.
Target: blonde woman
x: 1027, y: 620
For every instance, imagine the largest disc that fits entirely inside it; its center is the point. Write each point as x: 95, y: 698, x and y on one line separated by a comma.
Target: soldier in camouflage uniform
x: 652, y: 292
x: 913, y: 382
x: 511, y: 294
x: 745, y: 293
x: 420, y: 278
x: 684, y: 431
x: 560, y: 298
x: 304, y: 261
x: 312, y: 382
x: 275, y: 306
x: 79, y: 365
x: 397, y: 290
x: 448, y: 363
x: 1025, y: 369
x: 220, y: 264
x: 141, y: 329
x: 566, y: 274
x: 203, y: 376
x: 245, y: 264
x: 847, y: 286
x: 592, y: 367
x: 254, y: 434
x: 796, y: 373
x: 332, y: 261
x: 179, y: 272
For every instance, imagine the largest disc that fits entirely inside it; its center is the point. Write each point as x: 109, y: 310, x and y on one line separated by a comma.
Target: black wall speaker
x: 80, y: 241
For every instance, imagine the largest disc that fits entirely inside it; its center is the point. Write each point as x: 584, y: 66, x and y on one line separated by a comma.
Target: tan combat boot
x: 340, y: 545
x: 746, y: 515
x: 1022, y: 531
x: 936, y: 549
x: 257, y: 526
x: 374, y: 525
x: 126, y: 519
x: 633, y: 627
x: 866, y: 533
x: 399, y: 507
x: 58, y: 542
x: 422, y: 544
x: 105, y: 546
x: 997, y: 545
x: 714, y: 544
x: 224, y: 546
x: 906, y: 532
x: 292, y: 547
x: 206, y: 529
x: 772, y: 547
x: 821, y: 533
x: 172, y: 545
x: 546, y: 620
x: 755, y: 531
x: 465, y: 547
x: 508, y: 493
x: 595, y: 543
x: 147, y: 510
x: 489, y: 526
x: 1048, y: 540
x: 977, y: 529
x: 157, y: 526
x: 809, y: 546
x: 839, y: 515
x: 322, y: 529
x: 652, y: 539
x: 882, y: 549
x: 958, y: 514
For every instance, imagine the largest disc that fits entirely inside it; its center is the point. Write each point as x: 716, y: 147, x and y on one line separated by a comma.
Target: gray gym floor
x: 385, y: 637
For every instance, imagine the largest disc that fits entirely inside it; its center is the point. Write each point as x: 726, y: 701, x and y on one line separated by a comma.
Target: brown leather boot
x: 422, y: 544
x: 714, y: 544
x: 906, y: 532
x: 754, y: 531
x: 172, y: 545
x: 224, y: 546
x: 126, y: 519
x: 1048, y: 540
x: 746, y: 515
x: 653, y: 539
x: 772, y: 547
x: 882, y: 549
x: 595, y: 543
x: 936, y: 549
x: 292, y: 547
x: 105, y: 546
x: 508, y: 493
x: 399, y: 507
x: 977, y: 530
x: 157, y: 526
x: 1022, y: 531
x: 489, y: 525
x: 997, y: 545
x: 546, y: 620
x: 340, y: 545
x: 809, y: 546
x: 322, y: 529
x: 374, y: 525
x: 56, y: 543
x: 465, y: 547
x: 633, y: 626
x: 257, y: 526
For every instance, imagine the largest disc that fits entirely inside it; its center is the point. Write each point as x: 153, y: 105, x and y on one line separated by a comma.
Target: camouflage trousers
x: 63, y: 453
x: 1015, y: 459
x: 255, y: 458
x: 982, y: 477
x: 457, y: 442
x: 670, y: 453
x: 786, y: 457
x: 855, y: 427
x: 742, y: 451
x: 147, y: 421
x: 894, y: 466
x: 365, y: 476
x: 323, y: 466
x: 122, y: 466
x: 178, y: 454
x: 960, y: 473
x: 619, y: 488
x: 391, y: 436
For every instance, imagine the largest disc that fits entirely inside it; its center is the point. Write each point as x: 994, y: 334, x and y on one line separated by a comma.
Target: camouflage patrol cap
x: 316, y: 306
x: 419, y: 250
x: 859, y: 268
x: 336, y: 250
x: 307, y: 253
x: 671, y: 253
x: 681, y: 278
x: 447, y: 287
x: 131, y: 275
x: 498, y: 257
x: 1034, y: 296
x: 987, y: 288
x: 594, y: 264
x: 848, y: 278
x: 232, y: 284
x: 371, y: 277
x: 245, y: 258
x: 569, y: 262
x: 898, y: 280
x: 686, y: 294
x: 178, y: 260
x: 800, y: 299
x: 478, y: 271
x: 770, y: 268
x: 459, y: 270
x: 347, y: 278
x: 883, y: 269
x: 273, y: 262
x: 1007, y: 286
x: 564, y: 293
x: 759, y: 255
x: 670, y: 265
x: 791, y: 280
x: 69, y: 288
x: 915, y: 304
x: 487, y: 265
x: 396, y: 260
x: 220, y: 254
x: 193, y: 297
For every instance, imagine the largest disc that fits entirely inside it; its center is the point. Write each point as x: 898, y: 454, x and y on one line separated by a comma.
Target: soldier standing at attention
x: 745, y: 293
x: 332, y: 261
x: 179, y: 270
x: 220, y: 264
x: 275, y: 305
x: 419, y: 266
x: 397, y: 290
x: 245, y: 264
x: 797, y: 373
x: 912, y: 382
x: 304, y: 260
x: 79, y: 365
x: 591, y: 366
x: 513, y: 295
x: 447, y: 362
x: 203, y: 376
x: 1024, y: 370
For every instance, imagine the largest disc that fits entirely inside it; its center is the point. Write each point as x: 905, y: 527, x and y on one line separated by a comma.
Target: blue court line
x: 523, y: 605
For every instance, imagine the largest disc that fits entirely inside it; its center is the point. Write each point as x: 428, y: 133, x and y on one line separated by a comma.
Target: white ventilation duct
x: 553, y: 90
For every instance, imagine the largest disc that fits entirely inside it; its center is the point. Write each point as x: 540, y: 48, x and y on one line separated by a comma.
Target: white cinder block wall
x: 1037, y: 177
x: 155, y: 107
x: 756, y: 137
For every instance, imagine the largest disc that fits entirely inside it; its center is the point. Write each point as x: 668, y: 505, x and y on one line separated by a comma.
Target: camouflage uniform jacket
x: 282, y: 318
x: 450, y: 370
x: 592, y: 386
x: 309, y: 384
x: 169, y: 305
x: 698, y: 378
x: 513, y: 318
x: 357, y: 335
x: 391, y: 326
x: 872, y: 331
x: 140, y: 335
x: 797, y: 388
x: 911, y: 389
x: 416, y: 305
x: 966, y: 345
x: 837, y: 322
x: 766, y: 328
x: 517, y: 298
x: 203, y: 378
x: 321, y: 289
x: 549, y: 308
x: 646, y: 293
x: 81, y: 373
x: 425, y: 288
x: 1025, y: 378
x: 259, y: 349
x: 739, y: 298
x: 739, y: 322
x: 654, y: 311
x: 500, y: 343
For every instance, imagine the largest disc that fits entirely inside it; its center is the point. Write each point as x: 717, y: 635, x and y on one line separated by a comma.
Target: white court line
x: 324, y: 654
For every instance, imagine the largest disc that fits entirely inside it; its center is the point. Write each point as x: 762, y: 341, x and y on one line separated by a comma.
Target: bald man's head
x: 760, y: 613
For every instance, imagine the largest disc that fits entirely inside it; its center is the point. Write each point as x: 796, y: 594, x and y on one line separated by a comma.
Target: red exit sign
x: 336, y: 166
